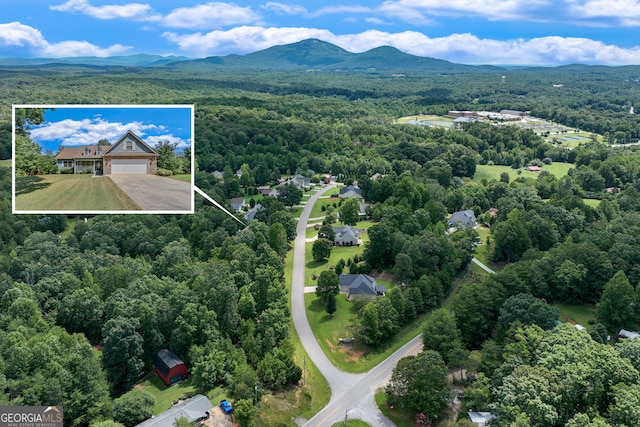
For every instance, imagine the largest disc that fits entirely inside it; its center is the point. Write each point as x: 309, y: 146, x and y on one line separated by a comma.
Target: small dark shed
x: 169, y: 367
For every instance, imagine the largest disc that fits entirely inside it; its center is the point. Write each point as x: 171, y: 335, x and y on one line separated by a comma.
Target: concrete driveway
x: 156, y: 193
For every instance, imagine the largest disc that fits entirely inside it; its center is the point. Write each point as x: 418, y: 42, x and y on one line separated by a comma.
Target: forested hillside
x: 84, y: 306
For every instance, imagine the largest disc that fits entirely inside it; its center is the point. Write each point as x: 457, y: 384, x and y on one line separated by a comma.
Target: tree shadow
x: 28, y: 184
x: 316, y: 264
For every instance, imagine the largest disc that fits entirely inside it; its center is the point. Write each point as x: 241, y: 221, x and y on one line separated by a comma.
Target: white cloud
x: 285, y: 9
x: 622, y: 12
x: 16, y: 34
x: 76, y: 133
x: 462, y: 48
x: 81, y: 48
x: 134, y: 11
x: 20, y: 35
x: 330, y: 10
x: 210, y: 15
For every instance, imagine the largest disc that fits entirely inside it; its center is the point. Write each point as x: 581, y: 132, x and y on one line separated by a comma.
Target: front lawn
x: 70, y: 193
x: 164, y: 395
x: 581, y: 314
x: 186, y: 177
x: 493, y: 172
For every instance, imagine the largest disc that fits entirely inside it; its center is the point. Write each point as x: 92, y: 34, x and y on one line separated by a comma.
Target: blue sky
x: 79, y: 126
x: 473, y: 32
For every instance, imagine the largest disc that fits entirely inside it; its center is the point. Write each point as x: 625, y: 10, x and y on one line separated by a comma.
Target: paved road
x: 156, y: 193
x: 351, y: 394
x: 482, y: 266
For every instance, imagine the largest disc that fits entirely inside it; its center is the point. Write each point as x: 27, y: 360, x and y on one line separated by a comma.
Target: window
x: 98, y: 151
x: 67, y: 163
x: 86, y: 151
x: 128, y: 145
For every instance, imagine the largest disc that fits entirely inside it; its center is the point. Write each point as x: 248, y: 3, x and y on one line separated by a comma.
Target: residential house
x: 532, y: 168
x: 128, y: 155
x: 462, y: 219
x: 169, y: 367
x: 361, y: 286
x: 350, y: 192
x: 218, y: 175
x: 265, y: 190
x: 195, y: 410
x: 237, y: 203
x: 301, y: 182
x: 346, y: 236
x: 251, y: 213
x: 612, y: 190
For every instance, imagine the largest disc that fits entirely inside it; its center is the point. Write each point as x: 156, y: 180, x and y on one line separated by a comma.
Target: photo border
x: 191, y: 209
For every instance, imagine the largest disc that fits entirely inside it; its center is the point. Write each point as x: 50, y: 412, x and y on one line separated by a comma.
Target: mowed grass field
x: 5, y: 163
x: 493, y: 172
x: 70, y: 193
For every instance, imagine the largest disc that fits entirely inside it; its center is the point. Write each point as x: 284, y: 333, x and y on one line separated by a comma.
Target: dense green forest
x: 84, y: 306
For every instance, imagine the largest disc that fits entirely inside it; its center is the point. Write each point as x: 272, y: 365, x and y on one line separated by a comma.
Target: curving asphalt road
x: 351, y: 394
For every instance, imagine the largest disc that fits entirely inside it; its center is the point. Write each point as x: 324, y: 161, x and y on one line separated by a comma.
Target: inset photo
x: 103, y: 159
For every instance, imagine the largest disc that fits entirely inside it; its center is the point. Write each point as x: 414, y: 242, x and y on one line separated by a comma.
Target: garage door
x: 128, y: 166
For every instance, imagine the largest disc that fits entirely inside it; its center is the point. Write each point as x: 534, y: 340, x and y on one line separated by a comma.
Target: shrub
x: 66, y: 171
x: 164, y: 172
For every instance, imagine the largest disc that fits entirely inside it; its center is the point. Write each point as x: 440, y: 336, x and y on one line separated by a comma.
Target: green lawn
x: 327, y: 330
x: 594, y: 203
x: 352, y: 423
x: 5, y: 163
x: 577, y: 314
x: 493, y: 172
x: 183, y: 177
x: 164, y: 395
x: 399, y: 418
x: 317, y: 212
x: 69, y: 193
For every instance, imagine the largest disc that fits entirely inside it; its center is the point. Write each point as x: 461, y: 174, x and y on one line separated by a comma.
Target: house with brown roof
x: 128, y: 155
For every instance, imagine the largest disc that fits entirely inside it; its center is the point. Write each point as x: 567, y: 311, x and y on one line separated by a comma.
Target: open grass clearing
x: 317, y: 207
x: 493, y: 172
x: 6, y: 163
x: 70, y: 193
x: 581, y: 314
x: 594, y: 203
x: 360, y: 358
x: 164, y: 395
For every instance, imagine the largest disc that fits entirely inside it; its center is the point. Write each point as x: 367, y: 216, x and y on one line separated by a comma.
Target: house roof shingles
x: 360, y: 284
x: 346, y: 233
x: 192, y: 409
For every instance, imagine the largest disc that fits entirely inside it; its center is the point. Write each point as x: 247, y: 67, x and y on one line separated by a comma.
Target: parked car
x: 226, y: 406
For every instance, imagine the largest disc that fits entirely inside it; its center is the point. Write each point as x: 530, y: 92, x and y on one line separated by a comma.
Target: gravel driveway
x: 156, y: 193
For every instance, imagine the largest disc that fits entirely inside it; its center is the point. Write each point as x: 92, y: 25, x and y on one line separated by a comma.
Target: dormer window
x: 128, y: 145
x: 86, y: 151
x: 98, y: 151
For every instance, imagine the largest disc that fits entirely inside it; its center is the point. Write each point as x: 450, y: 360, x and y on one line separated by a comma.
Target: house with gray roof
x: 218, y: 175
x: 346, y: 236
x: 251, y: 213
x: 195, y: 409
x: 350, y: 192
x: 237, y: 203
x: 462, y: 219
x: 360, y: 286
